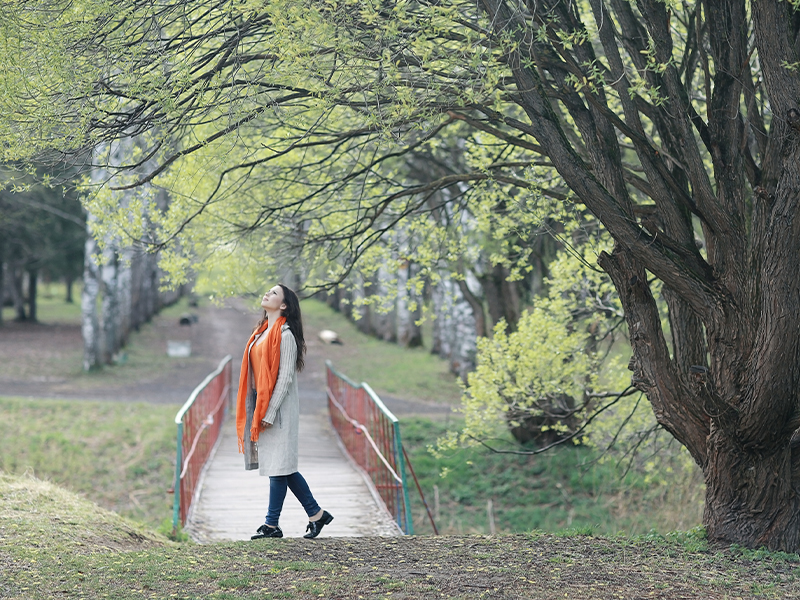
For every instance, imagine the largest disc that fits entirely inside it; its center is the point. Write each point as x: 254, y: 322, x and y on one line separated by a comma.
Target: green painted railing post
x: 176, y: 502
x: 402, y: 464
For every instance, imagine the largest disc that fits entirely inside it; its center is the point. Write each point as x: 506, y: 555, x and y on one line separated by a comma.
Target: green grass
x: 386, y: 367
x: 562, y: 488
x: 50, y: 305
x: 119, y: 455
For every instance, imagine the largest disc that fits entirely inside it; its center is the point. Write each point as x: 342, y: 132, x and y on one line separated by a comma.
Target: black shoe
x: 314, y: 527
x: 265, y: 531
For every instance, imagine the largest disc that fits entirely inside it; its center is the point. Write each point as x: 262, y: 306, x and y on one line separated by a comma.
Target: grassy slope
x: 119, y: 455
x: 388, y: 368
x: 55, y: 544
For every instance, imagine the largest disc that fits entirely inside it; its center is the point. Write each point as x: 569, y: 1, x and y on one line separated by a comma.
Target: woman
x: 268, y: 409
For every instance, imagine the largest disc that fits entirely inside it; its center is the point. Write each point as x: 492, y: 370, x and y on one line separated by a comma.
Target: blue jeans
x: 277, y: 494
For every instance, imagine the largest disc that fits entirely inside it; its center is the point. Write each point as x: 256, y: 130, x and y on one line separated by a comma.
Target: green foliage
x: 165, y: 529
x: 521, y: 372
x: 554, y: 360
x: 238, y: 198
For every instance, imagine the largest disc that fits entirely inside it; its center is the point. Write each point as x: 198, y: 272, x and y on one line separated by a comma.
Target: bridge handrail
x: 356, y: 412
x: 198, y: 415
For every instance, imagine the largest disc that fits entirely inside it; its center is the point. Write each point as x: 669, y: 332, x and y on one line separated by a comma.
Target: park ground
x: 57, y: 482
x: 54, y: 544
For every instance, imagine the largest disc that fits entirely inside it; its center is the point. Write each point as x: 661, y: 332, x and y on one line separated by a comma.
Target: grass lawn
x: 386, y: 367
x: 53, y: 544
x: 120, y: 455
x: 51, y: 307
x: 563, y: 488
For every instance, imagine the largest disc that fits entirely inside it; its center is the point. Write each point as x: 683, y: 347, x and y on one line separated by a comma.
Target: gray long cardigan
x: 277, y: 445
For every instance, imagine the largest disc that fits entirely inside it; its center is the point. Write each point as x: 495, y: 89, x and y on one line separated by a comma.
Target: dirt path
x: 44, y: 360
x: 39, y: 360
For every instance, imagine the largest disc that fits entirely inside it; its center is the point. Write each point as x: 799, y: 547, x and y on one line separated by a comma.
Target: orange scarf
x: 265, y: 382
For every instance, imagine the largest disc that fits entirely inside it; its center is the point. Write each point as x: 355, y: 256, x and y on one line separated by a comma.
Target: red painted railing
x: 371, y: 435
x: 199, y: 422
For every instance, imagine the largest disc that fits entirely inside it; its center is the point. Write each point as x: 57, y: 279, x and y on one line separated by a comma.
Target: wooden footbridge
x: 352, y: 458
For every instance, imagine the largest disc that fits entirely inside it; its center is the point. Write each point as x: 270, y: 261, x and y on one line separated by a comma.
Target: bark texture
x: 726, y: 383
x: 120, y: 283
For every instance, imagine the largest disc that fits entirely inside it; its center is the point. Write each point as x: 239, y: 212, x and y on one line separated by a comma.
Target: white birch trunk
x: 91, y: 288
x: 409, y: 309
x: 109, y: 317
x: 124, y: 295
x: 360, y: 313
x: 403, y: 313
x: 455, y: 327
x: 383, y: 315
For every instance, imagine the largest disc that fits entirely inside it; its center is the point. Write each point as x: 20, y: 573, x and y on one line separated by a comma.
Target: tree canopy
x: 360, y: 133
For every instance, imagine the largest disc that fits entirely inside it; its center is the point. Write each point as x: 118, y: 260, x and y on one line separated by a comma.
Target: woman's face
x: 273, y: 299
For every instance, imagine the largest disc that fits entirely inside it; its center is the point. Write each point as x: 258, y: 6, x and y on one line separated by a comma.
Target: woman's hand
x: 265, y: 425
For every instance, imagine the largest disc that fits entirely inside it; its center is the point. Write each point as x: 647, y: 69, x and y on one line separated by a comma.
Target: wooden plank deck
x: 232, y: 503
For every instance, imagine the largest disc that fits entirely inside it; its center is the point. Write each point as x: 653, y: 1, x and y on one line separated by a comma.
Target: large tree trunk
x: 454, y: 327
x: 409, y: 334
x: 2, y: 279
x: 737, y: 417
x: 110, y: 325
x: 125, y: 296
x: 383, y: 315
x: 359, y: 312
x: 751, y: 498
x: 502, y: 297
x: 737, y: 411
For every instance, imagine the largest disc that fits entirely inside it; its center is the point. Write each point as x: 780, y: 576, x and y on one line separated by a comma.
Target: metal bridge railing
x: 199, y: 422
x: 371, y: 435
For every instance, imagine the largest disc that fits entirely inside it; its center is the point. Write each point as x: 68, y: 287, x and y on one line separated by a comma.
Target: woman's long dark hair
x: 295, y: 322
